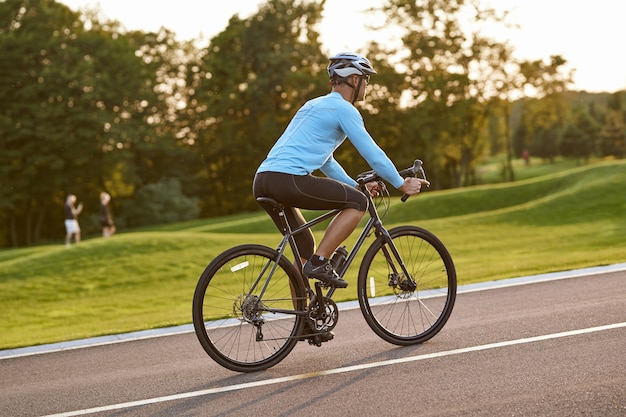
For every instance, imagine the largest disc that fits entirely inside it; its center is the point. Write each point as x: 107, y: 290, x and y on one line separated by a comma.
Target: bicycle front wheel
x: 407, y: 310
x: 245, y: 308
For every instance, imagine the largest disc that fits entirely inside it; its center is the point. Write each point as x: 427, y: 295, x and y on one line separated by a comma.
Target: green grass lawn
x: 572, y: 218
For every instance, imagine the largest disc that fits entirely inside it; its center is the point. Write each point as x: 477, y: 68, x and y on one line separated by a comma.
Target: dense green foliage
x: 174, y: 130
x: 145, y: 279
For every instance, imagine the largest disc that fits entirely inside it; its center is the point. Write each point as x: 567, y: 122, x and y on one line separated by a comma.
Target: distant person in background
x: 106, y: 220
x: 71, y: 219
x: 526, y: 157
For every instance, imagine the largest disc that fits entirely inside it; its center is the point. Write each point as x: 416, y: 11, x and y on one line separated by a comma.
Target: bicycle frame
x: 374, y: 223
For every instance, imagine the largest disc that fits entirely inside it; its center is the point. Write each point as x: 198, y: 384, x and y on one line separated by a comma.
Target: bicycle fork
x: 395, y: 277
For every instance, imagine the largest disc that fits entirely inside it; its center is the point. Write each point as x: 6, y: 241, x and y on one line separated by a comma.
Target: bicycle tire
x: 407, y: 317
x: 225, y: 309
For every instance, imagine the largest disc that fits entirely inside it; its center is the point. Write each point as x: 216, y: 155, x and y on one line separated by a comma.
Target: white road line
x: 337, y: 371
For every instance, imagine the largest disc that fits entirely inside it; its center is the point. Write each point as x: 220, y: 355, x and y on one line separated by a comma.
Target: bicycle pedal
x: 319, y: 338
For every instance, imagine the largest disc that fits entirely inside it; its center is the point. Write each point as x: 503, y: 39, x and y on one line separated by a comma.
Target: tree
x: 546, y: 142
x: 36, y: 44
x: 160, y: 203
x: 612, y: 138
x: 74, y: 103
x: 579, y: 134
x: 252, y: 78
x: 453, y: 76
x: 575, y: 143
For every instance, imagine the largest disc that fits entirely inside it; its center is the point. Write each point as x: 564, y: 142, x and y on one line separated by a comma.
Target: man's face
x: 364, y: 83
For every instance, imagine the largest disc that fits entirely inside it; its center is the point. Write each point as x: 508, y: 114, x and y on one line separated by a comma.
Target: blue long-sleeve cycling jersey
x: 318, y: 128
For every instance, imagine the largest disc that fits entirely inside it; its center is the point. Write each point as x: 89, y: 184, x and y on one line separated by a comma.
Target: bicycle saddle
x: 269, y: 204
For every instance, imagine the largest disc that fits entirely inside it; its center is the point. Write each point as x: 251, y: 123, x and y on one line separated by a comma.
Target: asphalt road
x: 556, y: 347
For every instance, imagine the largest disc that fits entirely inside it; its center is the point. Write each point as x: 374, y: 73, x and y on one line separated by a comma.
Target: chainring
x: 322, y: 321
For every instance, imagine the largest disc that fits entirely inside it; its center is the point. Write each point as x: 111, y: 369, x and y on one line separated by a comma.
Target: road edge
x: 188, y: 328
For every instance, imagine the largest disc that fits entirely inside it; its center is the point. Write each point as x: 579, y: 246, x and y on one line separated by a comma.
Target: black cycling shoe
x: 324, y: 273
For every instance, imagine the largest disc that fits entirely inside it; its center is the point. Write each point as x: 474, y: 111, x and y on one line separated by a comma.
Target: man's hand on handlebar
x: 374, y: 187
x: 371, y: 182
x: 413, y: 185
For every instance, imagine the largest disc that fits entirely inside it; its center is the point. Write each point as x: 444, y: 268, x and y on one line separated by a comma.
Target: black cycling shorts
x: 306, y: 192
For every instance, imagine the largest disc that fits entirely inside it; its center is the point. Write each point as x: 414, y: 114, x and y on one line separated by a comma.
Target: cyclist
x: 318, y: 128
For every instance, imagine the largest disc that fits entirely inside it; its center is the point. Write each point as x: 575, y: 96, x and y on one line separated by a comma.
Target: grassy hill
x: 145, y: 279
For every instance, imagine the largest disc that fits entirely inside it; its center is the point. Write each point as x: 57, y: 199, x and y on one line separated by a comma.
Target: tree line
x: 174, y: 130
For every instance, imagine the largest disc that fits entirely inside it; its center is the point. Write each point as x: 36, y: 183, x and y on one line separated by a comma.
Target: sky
x: 589, y: 35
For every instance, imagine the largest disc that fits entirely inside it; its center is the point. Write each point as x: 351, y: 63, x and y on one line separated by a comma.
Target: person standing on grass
x: 71, y: 219
x: 106, y: 220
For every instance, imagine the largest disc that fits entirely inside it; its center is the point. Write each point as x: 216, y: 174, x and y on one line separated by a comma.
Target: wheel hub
x: 402, y: 286
x: 246, y: 308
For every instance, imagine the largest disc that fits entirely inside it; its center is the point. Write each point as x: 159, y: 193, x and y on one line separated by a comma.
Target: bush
x: 159, y: 203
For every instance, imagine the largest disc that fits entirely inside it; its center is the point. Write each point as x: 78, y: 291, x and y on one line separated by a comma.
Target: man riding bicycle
x: 318, y: 128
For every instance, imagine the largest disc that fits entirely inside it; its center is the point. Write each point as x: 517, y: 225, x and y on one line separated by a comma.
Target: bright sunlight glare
x: 586, y: 34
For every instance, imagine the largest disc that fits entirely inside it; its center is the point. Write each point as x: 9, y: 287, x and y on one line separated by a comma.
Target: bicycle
x: 251, y: 306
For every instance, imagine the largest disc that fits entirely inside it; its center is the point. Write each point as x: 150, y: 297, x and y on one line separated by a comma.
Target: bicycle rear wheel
x: 240, y: 328
x: 391, y: 307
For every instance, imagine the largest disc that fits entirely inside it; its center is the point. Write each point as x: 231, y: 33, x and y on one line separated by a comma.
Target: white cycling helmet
x: 345, y: 64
